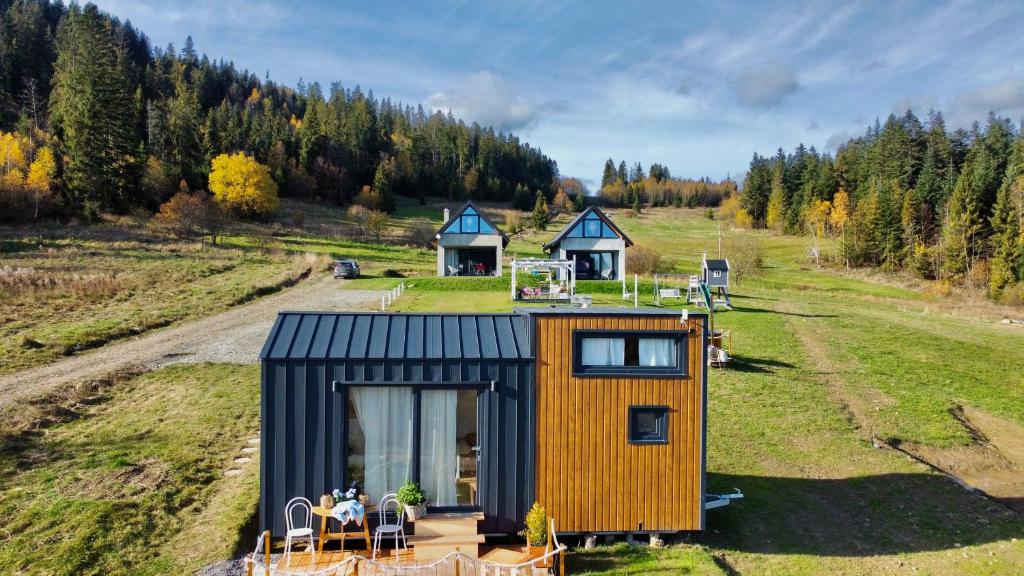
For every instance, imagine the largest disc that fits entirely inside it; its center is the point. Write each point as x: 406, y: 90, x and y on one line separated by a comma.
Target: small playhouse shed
x: 469, y: 244
x: 715, y: 272
x: 595, y: 243
x: 599, y: 414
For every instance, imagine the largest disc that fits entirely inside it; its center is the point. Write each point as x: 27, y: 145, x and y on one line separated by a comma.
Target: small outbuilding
x: 715, y: 272
x: 595, y: 244
x: 469, y: 244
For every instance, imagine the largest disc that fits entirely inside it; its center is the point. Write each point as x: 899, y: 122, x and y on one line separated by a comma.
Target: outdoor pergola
x: 554, y: 279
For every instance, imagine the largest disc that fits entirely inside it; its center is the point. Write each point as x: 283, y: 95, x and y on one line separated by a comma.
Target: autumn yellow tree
x: 838, y: 220
x: 817, y: 219
x: 27, y: 172
x: 744, y: 219
x: 243, y: 185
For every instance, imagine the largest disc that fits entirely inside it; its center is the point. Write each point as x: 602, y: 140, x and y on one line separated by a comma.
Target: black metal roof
x: 582, y: 215
x: 365, y: 336
x: 717, y: 264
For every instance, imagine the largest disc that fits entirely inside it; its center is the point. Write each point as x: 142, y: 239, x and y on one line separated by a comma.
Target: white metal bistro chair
x: 385, y: 529
x: 303, y: 530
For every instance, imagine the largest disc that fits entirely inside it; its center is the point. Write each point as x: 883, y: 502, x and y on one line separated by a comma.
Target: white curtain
x: 385, y: 416
x: 604, y: 352
x: 439, y: 465
x: 657, y: 352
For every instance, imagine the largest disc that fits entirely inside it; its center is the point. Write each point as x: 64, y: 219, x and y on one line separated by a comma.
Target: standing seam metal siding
x: 303, y: 415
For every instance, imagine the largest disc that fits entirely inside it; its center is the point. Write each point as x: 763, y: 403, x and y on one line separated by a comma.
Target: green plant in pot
x: 536, y: 531
x: 412, y: 498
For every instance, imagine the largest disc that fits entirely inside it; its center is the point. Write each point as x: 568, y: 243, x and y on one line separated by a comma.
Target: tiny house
x: 595, y: 244
x: 599, y: 414
x: 469, y: 244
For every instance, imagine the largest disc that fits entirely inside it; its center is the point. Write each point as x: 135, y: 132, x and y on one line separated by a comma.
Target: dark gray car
x: 346, y: 269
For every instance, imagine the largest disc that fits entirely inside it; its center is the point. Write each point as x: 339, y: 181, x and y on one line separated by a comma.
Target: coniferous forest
x: 93, y: 118
x: 908, y: 195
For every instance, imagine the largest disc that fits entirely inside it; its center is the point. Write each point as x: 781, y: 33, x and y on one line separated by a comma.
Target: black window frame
x: 661, y: 411
x: 680, y: 370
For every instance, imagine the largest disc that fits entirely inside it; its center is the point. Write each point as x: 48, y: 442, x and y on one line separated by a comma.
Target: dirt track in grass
x: 234, y: 336
x: 992, y: 463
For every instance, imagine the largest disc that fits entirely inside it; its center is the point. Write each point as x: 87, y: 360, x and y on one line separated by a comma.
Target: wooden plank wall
x: 588, y: 476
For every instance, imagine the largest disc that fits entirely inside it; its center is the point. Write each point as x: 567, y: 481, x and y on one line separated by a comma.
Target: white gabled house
x: 469, y: 244
x: 595, y: 244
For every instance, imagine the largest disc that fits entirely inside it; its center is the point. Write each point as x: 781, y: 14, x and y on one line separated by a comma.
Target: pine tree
x: 756, y: 190
x: 382, y: 186
x: 609, y: 175
x: 1007, y: 242
x: 775, y: 216
x: 623, y: 174
x: 540, y: 212
x: 961, y: 226
x: 91, y: 112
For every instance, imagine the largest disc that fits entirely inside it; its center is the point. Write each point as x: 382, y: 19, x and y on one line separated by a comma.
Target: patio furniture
x: 325, y: 514
x: 385, y: 529
x: 304, y: 530
x: 455, y: 270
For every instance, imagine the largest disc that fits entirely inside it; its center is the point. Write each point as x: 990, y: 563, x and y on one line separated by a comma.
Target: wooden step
x: 435, y: 552
x: 447, y: 524
x: 452, y: 540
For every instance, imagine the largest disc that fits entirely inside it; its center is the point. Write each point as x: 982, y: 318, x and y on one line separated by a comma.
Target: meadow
x: 840, y: 384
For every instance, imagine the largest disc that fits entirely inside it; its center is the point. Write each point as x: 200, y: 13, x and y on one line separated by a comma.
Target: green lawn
x: 824, y: 361
x: 135, y: 486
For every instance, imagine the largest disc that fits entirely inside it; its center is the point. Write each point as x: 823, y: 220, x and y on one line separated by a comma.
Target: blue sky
x: 695, y: 87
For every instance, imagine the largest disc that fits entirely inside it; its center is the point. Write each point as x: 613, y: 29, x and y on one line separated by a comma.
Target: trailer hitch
x: 719, y: 500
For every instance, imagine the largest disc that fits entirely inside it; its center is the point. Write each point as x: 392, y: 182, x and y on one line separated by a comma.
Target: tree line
x: 633, y: 187
x: 907, y: 195
x: 128, y: 123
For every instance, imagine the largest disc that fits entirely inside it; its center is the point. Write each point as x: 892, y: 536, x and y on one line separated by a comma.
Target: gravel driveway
x: 235, y: 335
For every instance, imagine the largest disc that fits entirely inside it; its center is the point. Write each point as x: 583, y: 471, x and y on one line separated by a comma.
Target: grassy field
x: 830, y: 368
x: 136, y: 484
x: 63, y: 291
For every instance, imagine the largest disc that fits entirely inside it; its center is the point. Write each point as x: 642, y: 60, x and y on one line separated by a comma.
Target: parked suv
x: 346, y: 269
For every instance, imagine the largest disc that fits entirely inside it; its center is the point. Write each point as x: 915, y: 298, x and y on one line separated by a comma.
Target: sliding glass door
x: 384, y: 442
x: 449, y: 449
x: 380, y: 438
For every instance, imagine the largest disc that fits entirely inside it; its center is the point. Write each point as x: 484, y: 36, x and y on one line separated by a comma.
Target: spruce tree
x: 91, y: 112
x: 623, y: 173
x: 609, y: 175
x: 540, y: 213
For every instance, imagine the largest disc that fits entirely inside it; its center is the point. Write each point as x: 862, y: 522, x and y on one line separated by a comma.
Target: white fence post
x: 383, y: 306
x: 636, y: 293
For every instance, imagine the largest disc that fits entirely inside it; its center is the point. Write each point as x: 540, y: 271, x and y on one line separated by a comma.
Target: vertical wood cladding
x: 588, y: 476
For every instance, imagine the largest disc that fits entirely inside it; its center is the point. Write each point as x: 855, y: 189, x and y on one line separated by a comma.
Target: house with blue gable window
x: 469, y: 244
x: 595, y: 244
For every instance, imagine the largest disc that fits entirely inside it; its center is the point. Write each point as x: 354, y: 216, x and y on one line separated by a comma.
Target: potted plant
x: 536, y: 531
x: 412, y: 498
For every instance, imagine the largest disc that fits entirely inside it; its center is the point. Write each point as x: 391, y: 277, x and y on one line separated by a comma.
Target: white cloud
x: 1003, y: 97
x: 491, y: 100
x: 764, y: 86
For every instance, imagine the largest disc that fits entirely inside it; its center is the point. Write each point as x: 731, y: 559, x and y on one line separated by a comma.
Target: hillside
x: 847, y: 400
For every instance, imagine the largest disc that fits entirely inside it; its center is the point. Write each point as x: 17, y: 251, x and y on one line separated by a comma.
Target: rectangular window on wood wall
x: 632, y: 353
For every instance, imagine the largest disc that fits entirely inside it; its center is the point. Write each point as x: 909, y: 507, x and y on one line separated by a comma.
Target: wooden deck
x: 303, y: 563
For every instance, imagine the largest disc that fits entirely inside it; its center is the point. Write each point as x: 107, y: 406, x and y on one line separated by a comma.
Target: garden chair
x: 385, y: 529
x: 296, y: 531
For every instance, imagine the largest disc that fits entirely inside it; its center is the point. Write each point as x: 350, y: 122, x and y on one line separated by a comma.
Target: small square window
x: 648, y: 424
x: 718, y: 273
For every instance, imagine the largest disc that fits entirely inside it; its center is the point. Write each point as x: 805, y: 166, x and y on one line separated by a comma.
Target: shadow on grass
x: 857, y: 516
x: 757, y: 365
x: 796, y: 314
